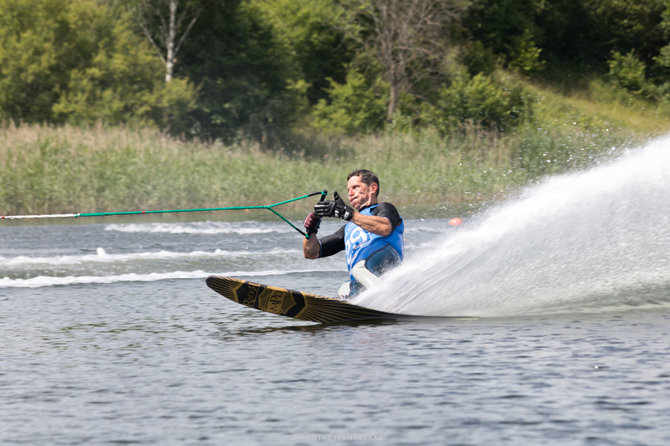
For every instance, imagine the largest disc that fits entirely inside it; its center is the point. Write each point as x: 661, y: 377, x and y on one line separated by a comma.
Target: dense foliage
x: 267, y: 68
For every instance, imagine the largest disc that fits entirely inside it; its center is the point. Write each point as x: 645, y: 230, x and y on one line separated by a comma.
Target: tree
x: 626, y: 26
x: 81, y: 62
x: 407, y: 38
x: 39, y: 45
x: 497, y: 22
x: 353, y: 107
x: 247, y: 84
x: 166, y: 25
x: 314, y: 42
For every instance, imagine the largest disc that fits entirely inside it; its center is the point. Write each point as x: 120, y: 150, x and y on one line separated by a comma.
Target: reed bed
x: 49, y: 169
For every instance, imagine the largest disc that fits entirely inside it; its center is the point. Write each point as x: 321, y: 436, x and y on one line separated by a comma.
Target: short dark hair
x: 367, y: 176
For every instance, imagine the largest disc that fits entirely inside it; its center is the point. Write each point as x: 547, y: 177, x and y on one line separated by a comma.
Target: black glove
x: 312, y: 223
x: 334, y: 208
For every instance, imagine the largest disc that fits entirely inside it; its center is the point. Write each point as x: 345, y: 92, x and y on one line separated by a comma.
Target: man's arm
x: 383, y: 221
x: 372, y: 223
x: 310, y: 247
x: 314, y: 248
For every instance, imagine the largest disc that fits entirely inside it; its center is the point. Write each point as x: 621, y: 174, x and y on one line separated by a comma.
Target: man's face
x: 360, y: 194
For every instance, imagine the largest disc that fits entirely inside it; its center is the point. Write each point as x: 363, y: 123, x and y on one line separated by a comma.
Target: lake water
x: 110, y: 335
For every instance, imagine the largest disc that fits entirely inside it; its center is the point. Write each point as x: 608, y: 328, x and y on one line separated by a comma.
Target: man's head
x: 362, y: 188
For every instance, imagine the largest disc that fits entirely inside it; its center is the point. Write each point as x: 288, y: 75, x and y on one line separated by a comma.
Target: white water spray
x: 597, y: 240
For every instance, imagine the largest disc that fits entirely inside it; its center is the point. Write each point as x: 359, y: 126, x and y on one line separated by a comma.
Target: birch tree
x: 167, y: 24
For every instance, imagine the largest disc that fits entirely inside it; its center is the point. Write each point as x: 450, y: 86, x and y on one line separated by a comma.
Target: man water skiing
x: 372, y: 237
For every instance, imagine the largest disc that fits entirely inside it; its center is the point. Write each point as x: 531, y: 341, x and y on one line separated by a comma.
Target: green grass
x: 47, y: 169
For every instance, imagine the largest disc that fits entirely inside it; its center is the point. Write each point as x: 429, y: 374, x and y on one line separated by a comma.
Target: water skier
x: 372, y: 237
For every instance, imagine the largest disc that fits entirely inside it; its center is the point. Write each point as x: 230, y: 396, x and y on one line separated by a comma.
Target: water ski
x: 295, y: 304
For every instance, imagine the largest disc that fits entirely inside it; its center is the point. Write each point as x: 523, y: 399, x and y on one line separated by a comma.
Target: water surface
x: 110, y: 335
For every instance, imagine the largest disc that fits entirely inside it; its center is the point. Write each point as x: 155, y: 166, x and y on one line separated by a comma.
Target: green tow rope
x: 270, y: 207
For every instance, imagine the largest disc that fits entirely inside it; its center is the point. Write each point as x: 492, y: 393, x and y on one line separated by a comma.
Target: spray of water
x: 593, y: 241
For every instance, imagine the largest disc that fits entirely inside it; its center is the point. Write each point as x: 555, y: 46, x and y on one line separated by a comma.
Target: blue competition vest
x: 359, y: 243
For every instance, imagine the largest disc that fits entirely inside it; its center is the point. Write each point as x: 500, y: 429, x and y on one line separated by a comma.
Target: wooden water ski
x: 295, y: 304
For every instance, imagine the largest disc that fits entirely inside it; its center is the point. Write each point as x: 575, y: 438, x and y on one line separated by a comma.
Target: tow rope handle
x: 323, y: 197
